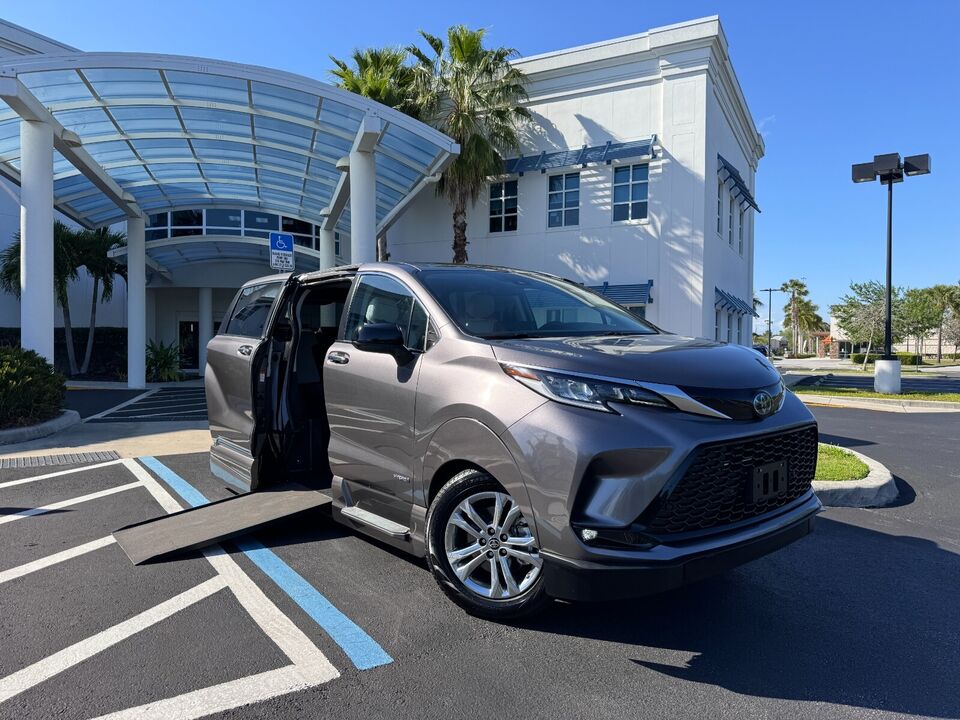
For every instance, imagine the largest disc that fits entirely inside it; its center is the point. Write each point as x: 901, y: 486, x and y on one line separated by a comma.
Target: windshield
x: 500, y: 304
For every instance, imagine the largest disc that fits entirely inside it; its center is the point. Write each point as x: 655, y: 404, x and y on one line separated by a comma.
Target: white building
x: 636, y: 177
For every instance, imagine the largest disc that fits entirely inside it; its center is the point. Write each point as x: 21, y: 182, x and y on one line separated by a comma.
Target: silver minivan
x: 527, y: 436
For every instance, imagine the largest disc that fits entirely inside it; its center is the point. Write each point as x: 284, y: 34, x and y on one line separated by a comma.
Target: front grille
x: 713, y: 488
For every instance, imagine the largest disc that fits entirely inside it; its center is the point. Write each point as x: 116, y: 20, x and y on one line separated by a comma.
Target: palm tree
x: 383, y: 75
x: 94, y: 247
x: 943, y: 298
x: 798, y: 291
x: 808, y: 317
x: 65, y: 264
x: 474, y: 95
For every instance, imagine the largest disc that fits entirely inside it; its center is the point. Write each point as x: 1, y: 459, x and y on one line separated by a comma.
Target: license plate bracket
x: 768, y: 481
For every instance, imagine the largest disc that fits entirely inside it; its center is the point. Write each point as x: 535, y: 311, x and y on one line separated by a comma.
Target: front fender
x: 472, y: 441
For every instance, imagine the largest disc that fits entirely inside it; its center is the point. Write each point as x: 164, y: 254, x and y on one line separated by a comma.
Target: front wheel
x: 482, y: 551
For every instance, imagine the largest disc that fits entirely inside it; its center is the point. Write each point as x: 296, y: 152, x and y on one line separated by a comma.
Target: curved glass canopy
x: 187, y: 132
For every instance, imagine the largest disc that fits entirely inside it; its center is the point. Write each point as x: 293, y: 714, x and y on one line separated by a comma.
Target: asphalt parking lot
x: 860, y: 619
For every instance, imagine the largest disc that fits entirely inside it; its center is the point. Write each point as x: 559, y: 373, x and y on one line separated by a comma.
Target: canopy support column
x: 363, y: 207
x: 136, y: 304
x: 36, y: 238
x: 204, y: 324
x: 326, y: 246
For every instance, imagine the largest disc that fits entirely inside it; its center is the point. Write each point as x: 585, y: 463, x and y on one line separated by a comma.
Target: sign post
x: 281, y: 252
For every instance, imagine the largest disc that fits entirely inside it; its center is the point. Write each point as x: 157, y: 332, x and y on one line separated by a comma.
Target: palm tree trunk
x: 382, y: 254
x: 68, y: 336
x: 460, y: 229
x: 93, y: 325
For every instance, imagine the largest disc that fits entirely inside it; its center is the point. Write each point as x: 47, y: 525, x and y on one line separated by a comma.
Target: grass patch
x: 835, y: 464
x: 861, y: 393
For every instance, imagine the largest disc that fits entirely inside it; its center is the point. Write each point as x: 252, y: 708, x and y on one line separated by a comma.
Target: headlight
x: 583, y: 390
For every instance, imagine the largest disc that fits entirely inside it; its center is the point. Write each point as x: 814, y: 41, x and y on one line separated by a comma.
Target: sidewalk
x: 133, y: 439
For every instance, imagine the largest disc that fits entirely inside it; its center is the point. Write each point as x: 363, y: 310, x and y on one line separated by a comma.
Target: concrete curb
x: 905, y: 406
x: 66, y: 419
x: 877, y: 489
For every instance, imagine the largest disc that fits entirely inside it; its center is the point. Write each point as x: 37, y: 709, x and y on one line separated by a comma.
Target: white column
x: 205, y: 323
x: 136, y: 305
x: 36, y: 238
x: 326, y: 246
x: 363, y: 207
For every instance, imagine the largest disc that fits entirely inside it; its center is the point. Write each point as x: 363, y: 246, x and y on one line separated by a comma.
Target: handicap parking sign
x: 281, y: 251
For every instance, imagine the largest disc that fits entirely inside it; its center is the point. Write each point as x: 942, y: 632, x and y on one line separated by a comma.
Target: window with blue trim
x: 563, y: 200
x: 503, y: 206
x: 630, y: 191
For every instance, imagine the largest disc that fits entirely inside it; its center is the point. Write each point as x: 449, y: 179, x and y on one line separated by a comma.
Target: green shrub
x: 905, y: 358
x: 30, y: 390
x: 163, y: 362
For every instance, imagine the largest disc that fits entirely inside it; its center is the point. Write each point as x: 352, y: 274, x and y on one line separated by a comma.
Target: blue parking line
x: 364, y: 652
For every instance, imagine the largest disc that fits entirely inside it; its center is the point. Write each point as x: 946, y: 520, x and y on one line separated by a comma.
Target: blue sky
x: 829, y: 84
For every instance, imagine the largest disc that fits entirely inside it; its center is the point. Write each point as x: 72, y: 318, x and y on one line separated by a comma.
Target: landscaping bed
x: 870, y: 394
x: 834, y: 464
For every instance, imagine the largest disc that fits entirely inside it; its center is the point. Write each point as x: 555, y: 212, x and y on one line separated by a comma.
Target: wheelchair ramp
x: 208, y: 524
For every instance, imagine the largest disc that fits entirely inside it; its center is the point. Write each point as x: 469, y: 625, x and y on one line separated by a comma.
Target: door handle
x: 338, y: 358
x: 245, y: 349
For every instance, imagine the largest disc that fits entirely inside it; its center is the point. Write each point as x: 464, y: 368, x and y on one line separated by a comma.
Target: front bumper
x: 666, y: 567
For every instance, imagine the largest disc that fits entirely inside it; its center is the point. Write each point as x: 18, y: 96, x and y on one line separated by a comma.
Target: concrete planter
x: 877, y: 489
x: 24, y: 434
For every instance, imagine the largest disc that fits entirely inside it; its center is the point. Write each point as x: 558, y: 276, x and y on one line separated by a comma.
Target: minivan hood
x: 662, y: 358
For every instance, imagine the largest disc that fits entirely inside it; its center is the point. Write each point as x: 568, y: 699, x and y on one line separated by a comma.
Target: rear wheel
x: 481, y: 549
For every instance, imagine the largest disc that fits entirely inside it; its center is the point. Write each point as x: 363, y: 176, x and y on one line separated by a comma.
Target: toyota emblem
x: 763, y: 403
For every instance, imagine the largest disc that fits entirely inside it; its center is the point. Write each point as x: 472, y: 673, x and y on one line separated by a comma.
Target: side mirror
x: 380, y: 337
x: 282, y: 331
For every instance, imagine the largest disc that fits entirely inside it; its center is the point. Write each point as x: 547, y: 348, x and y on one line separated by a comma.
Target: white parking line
x: 29, y: 512
x: 30, y: 567
x: 54, y: 664
x: 132, y: 400
x: 24, y: 481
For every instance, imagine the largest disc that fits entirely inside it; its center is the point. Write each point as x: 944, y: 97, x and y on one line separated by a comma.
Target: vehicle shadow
x: 844, y: 441
x: 847, y: 616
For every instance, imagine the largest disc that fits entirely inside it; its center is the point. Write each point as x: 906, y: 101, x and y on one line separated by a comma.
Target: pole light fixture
x: 890, y: 169
x: 770, y: 291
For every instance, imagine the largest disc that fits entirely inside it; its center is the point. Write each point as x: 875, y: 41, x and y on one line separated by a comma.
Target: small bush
x: 30, y: 390
x: 163, y: 362
x: 904, y: 358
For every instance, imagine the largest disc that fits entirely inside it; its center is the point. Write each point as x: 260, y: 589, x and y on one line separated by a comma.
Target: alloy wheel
x: 490, y: 546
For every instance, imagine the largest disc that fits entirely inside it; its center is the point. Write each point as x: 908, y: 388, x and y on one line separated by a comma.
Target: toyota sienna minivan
x: 527, y: 436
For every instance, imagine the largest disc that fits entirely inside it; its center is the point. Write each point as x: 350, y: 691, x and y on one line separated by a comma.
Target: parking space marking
x: 45, y: 669
x: 364, y: 652
x: 30, y: 567
x: 132, y: 400
x: 24, y: 481
x: 29, y: 512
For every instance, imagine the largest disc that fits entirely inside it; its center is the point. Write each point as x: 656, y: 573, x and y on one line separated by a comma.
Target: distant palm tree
x: 943, y: 298
x: 383, y: 75
x: 808, y: 319
x: 94, y: 246
x: 475, y: 96
x: 798, y: 291
x: 66, y: 253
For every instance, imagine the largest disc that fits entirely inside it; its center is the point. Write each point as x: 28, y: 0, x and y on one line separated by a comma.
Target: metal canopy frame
x: 138, y: 133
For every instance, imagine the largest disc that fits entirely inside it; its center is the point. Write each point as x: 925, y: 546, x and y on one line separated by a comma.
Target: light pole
x: 890, y: 169
x: 770, y: 291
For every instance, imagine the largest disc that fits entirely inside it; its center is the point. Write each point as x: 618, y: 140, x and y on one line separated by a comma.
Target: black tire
x: 458, y: 488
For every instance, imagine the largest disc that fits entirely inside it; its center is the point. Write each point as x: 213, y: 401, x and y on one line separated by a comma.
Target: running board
x: 377, y: 522
x: 198, y: 527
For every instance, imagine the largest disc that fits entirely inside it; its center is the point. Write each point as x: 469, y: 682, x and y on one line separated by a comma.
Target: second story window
x: 719, y: 208
x: 743, y: 218
x: 563, y: 200
x: 503, y: 206
x: 630, y: 184
x: 730, y: 222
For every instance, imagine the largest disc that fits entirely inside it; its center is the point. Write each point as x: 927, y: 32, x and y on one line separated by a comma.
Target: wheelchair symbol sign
x: 281, y: 251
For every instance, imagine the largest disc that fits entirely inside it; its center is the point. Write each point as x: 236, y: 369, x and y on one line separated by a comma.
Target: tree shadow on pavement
x: 844, y: 441
x: 847, y: 616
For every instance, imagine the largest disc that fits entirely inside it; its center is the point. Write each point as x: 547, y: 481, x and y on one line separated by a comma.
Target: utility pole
x: 770, y: 291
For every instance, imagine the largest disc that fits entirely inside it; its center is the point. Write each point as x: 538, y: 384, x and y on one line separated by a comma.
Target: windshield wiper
x: 513, y: 336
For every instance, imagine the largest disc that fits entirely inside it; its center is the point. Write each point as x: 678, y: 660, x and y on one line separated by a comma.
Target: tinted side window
x: 379, y: 299
x: 253, y: 307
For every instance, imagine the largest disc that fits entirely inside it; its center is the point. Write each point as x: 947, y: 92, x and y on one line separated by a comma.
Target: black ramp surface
x: 208, y: 524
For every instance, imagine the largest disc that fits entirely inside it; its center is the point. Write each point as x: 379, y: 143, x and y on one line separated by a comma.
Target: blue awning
x: 730, y: 175
x: 584, y: 156
x: 732, y: 302
x: 631, y: 294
